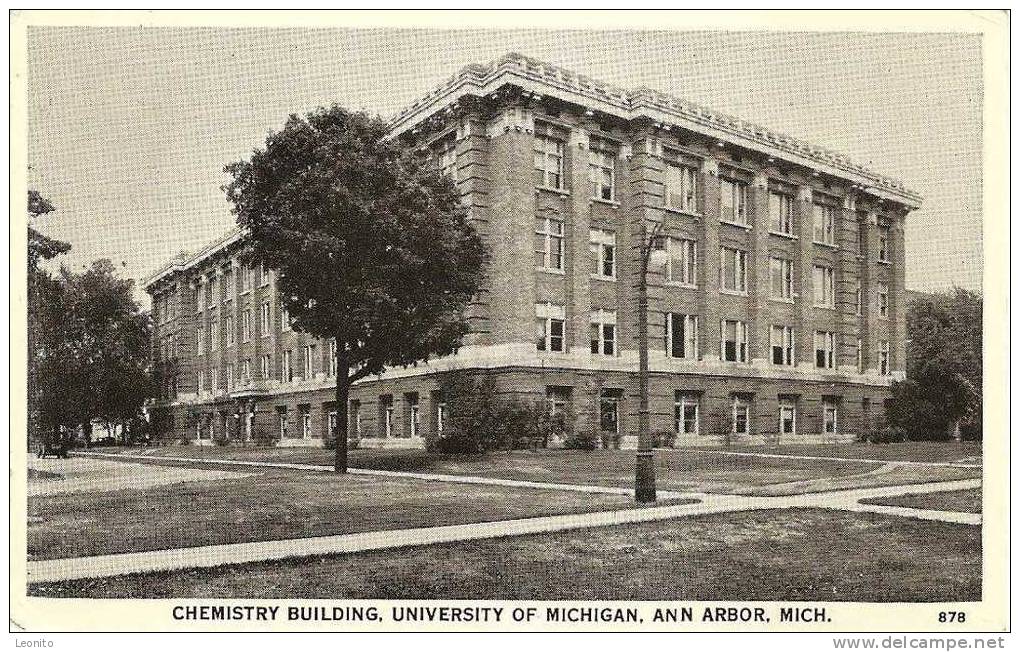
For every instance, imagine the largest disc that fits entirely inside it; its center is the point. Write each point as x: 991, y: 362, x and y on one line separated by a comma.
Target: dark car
x: 52, y: 449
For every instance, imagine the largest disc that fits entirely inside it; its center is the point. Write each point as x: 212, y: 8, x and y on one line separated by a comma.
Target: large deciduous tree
x: 372, y: 246
x: 943, y: 385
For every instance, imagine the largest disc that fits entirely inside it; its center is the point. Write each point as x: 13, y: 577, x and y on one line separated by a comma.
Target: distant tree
x: 41, y: 247
x: 942, y: 390
x: 93, y: 360
x: 372, y: 246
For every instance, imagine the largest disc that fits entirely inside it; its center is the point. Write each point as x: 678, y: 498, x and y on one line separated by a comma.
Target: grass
x: 677, y: 470
x: 911, y: 451
x: 39, y: 474
x: 276, y: 504
x: 765, y: 555
x: 967, y: 500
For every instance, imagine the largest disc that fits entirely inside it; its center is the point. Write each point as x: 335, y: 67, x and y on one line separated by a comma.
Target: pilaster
x: 708, y: 267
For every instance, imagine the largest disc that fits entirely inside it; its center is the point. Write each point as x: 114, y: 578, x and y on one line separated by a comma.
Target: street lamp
x: 644, y: 471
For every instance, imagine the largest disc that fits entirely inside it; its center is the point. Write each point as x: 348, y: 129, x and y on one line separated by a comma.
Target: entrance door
x: 609, y: 416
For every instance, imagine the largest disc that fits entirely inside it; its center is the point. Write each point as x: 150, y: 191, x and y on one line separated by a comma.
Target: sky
x: 129, y: 128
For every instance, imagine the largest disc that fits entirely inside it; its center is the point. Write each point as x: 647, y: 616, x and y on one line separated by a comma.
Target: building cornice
x: 542, y: 79
x: 182, y: 264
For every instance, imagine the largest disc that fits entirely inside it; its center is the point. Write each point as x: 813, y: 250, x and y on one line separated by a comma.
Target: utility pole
x: 644, y: 472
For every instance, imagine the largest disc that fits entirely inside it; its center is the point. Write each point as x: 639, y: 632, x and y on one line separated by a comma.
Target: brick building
x: 777, y: 303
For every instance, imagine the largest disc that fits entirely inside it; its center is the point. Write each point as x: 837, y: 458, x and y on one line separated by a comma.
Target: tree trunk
x: 343, y: 390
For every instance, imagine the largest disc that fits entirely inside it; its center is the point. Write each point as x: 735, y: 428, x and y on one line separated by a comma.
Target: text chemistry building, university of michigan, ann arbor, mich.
x: 776, y: 298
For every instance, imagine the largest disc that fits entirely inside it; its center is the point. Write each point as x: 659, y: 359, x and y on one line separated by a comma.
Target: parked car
x: 52, y: 449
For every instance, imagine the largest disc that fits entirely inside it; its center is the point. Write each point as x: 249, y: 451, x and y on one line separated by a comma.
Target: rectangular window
x: 883, y: 358
x: 780, y: 213
x: 228, y: 282
x: 246, y: 326
x: 265, y: 323
x: 549, y: 147
x: 413, y: 415
x: 681, y: 336
x: 782, y: 343
x: 550, y: 323
x: 685, y: 408
x: 829, y: 416
x: 386, y: 414
x: 681, y: 187
x: 212, y: 291
x: 603, y: 332
x: 267, y: 368
x: 214, y: 379
x: 883, y: 299
x: 306, y: 424
x: 860, y: 356
x: 862, y: 237
x: 246, y: 372
x: 734, y: 341
x: 825, y: 349
x: 549, y: 243
x: 824, y: 224
x: 787, y: 416
x: 284, y: 318
x: 287, y: 368
x: 282, y: 417
x: 309, y: 364
x: 200, y: 339
x: 741, y: 415
x: 733, y: 201
x: 441, y: 417
x: 781, y: 278
x: 734, y: 270
x: 214, y: 334
x: 681, y: 261
x: 603, y: 252
x: 201, y: 381
x: 332, y: 357
x: 446, y: 154
x: 883, y: 244
x: 231, y: 376
x: 264, y: 274
x: 825, y: 286
x: 602, y: 168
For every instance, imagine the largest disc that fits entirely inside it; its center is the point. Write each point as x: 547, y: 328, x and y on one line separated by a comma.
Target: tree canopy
x: 41, y: 247
x: 370, y: 242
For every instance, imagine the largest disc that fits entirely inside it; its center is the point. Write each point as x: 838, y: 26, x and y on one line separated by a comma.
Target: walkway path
x: 238, y: 553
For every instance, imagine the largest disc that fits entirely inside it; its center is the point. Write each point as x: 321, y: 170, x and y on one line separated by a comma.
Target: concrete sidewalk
x: 239, y: 553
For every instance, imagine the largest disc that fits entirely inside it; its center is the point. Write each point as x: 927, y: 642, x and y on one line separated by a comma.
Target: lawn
x: 677, y: 470
x: 967, y: 500
x: 275, y: 504
x: 912, y: 451
x: 807, y: 554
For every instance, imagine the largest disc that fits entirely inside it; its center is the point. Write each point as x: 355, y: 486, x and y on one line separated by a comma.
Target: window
x: 309, y: 362
x: 243, y: 280
x: 782, y: 343
x: 825, y: 348
x: 825, y: 224
x: 883, y: 357
x: 282, y: 416
x: 787, y: 416
x: 602, y: 168
x: 681, y: 187
x: 214, y: 379
x: 859, y: 299
x: 734, y: 270
x: 883, y: 244
x: 829, y: 416
x: 681, y: 261
x: 825, y: 287
x: 734, y: 341
x: 780, y: 213
x: 386, y: 414
x: 741, y: 415
x: 862, y: 237
x: 603, y: 252
x: 685, y: 409
x: 228, y: 325
x: 549, y: 327
x: 228, y: 282
x: 287, y: 369
x: 230, y: 376
x: 267, y: 369
x: 413, y: 415
x: 446, y: 155
x: 781, y: 278
x: 549, y: 243
x: 284, y: 318
x: 549, y: 146
x: 306, y: 424
x: 264, y: 274
x: 201, y: 381
x: 200, y: 339
x: 246, y: 372
x: 557, y: 399
x: 354, y: 418
x: 264, y: 320
x: 332, y: 357
x: 198, y: 296
x: 681, y: 336
x: 212, y: 290
x: 214, y: 334
x: 883, y: 299
x: 603, y: 332
x: 860, y: 356
x: 733, y: 201
x: 246, y: 326
x: 441, y: 417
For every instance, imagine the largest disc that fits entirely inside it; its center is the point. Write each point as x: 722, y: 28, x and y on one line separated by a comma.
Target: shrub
x: 885, y: 435
x: 586, y: 440
x: 262, y: 438
x: 665, y: 439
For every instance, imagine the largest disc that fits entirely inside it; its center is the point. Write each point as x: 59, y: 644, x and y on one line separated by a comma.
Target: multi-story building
x: 778, y: 311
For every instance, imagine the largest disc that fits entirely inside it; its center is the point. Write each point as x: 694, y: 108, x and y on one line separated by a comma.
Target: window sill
x: 563, y: 192
x: 828, y: 245
x: 781, y: 300
x: 884, y: 262
x: 680, y: 284
x: 746, y: 227
x: 683, y: 211
x: 551, y: 270
x: 780, y: 234
x: 821, y: 307
x: 607, y: 202
x: 733, y: 361
x: 600, y: 277
x: 733, y: 293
